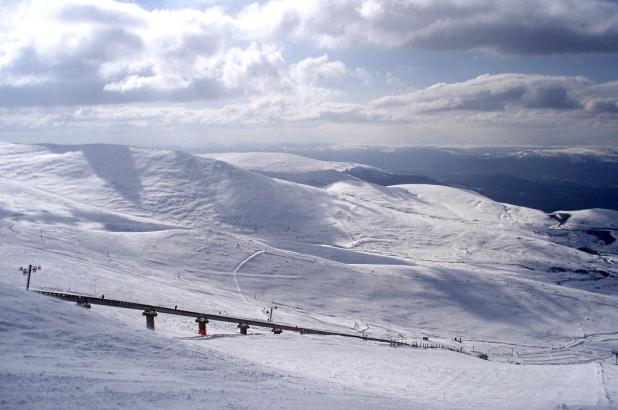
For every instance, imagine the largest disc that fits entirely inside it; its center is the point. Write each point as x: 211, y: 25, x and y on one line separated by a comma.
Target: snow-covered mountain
x: 405, y: 261
x: 308, y: 171
x: 547, y: 178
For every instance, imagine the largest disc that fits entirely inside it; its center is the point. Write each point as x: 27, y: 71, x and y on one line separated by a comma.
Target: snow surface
x: 281, y: 162
x: 406, y: 262
x: 295, y: 168
x: 60, y: 356
x: 593, y: 218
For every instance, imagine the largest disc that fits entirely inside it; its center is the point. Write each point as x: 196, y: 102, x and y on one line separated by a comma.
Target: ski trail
x: 239, y: 267
x: 601, y: 373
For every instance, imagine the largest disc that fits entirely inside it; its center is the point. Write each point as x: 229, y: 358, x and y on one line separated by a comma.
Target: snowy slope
x: 448, y: 225
x: 59, y: 356
x: 172, y: 186
x: 293, y: 168
x: 313, y: 172
x: 592, y: 218
x: 282, y: 162
x: 594, y: 231
x: 56, y: 355
x: 407, y: 261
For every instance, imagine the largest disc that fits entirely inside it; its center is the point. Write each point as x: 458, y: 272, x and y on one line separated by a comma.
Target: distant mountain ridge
x: 305, y: 170
x: 551, y: 179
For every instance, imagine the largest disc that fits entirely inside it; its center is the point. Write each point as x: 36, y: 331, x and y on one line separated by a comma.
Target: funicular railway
x: 151, y: 311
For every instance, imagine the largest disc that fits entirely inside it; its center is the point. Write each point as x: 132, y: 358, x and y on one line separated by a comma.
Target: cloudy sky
x: 399, y: 72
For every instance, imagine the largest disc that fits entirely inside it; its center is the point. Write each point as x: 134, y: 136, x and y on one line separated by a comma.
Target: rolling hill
x: 404, y: 261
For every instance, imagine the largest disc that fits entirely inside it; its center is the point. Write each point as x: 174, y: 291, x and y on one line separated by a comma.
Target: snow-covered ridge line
x: 308, y: 171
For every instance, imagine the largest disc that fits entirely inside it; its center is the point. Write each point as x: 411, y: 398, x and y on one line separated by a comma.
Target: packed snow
x: 404, y: 262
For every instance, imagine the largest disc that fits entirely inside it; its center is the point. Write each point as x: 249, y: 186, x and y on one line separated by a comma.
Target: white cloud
x: 505, y: 99
x: 318, y: 70
x: 73, y: 52
x: 78, y: 63
x: 495, y: 93
x: 503, y: 26
x: 70, y: 52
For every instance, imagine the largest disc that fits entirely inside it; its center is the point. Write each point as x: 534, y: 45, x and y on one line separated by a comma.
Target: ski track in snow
x: 239, y: 267
x: 607, y: 399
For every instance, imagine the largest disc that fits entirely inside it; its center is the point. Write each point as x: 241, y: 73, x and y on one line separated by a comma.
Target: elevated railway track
x: 151, y: 311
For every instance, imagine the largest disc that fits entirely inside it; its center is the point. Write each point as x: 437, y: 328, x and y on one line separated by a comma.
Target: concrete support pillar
x: 243, y: 328
x: 201, y: 322
x: 150, y: 315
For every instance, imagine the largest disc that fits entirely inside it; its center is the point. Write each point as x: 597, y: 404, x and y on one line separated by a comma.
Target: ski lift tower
x: 28, y: 271
x: 270, y: 313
